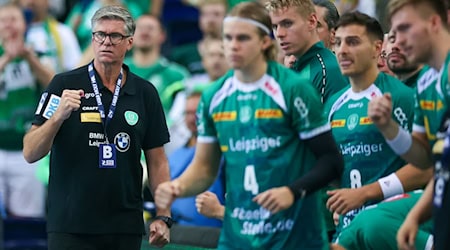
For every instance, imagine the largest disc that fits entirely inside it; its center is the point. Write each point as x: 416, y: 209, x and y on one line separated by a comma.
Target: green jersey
x: 166, y: 76
x: 320, y: 66
x: 377, y: 226
x: 366, y: 154
x: 19, y: 93
x: 261, y: 128
x: 430, y: 104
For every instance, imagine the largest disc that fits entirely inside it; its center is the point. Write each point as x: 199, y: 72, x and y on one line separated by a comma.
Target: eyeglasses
x: 115, y: 38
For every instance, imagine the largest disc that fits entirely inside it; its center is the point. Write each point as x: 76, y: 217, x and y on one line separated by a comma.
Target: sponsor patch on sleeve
x: 41, y: 103
x: 51, y: 107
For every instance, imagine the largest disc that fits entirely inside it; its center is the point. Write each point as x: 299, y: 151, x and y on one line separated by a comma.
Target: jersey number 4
x: 250, y: 182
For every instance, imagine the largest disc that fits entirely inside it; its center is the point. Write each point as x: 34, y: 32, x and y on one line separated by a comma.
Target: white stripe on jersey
x: 428, y: 78
x: 368, y: 93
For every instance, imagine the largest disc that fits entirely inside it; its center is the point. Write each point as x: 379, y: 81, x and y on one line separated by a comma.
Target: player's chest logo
x: 245, y: 114
x: 352, y: 121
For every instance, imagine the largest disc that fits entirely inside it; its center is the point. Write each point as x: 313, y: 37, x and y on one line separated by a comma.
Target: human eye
x: 100, y: 34
x: 116, y: 36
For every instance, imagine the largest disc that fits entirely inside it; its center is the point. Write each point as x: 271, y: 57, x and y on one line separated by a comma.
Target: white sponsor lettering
x: 89, y: 108
x: 95, y: 143
x: 256, y: 214
x: 252, y: 144
x: 355, y: 105
x: 96, y: 136
x: 263, y: 227
x: 360, y: 149
x: 51, y: 107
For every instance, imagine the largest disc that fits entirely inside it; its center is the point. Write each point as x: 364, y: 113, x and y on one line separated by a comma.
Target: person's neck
x: 145, y: 57
x: 109, y: 73
x: 314, y: 39
x: 252, y: 73
x: 440, y: 51
x: 405, y: 76
x: 363, y: 81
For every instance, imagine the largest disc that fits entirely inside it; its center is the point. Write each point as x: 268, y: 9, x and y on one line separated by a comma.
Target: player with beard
x: 406, y: 71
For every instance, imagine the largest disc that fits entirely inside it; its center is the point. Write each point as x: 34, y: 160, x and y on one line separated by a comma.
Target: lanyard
x: 101, y: 108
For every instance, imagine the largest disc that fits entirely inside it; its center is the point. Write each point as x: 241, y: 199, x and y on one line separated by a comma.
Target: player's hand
x: 166, y: 193
x: 380, y: 110
x: 70, y: 101
x: 406, y: 235
x: 344, y: 200
x: 208, y: 205
x: 159, y: 233
x: 275, y: 199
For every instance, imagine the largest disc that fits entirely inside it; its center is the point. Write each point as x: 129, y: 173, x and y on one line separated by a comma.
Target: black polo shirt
x: 84, y: 198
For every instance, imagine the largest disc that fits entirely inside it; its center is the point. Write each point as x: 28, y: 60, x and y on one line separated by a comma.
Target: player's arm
x: 43, y: 74
x: 421, y: 212
x: 328, y: 167
x: 39, y: 139
x: 198, y: 177
x: 413, y: 148
x: 406, y: 179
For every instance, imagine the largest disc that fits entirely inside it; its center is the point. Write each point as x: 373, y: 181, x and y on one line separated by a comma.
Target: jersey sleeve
x: 418, y: 125
x: 403, y: 107
x: 49, y: 101
x: 205, y: 124
x: 306, y: 110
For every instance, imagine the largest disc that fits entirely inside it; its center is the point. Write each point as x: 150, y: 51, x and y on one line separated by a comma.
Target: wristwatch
x: 166, y: 219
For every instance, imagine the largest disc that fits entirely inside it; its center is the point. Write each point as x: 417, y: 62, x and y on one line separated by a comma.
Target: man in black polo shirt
x: 96, y: 120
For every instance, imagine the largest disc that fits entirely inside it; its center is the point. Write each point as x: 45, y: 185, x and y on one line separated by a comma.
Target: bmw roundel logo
x: 122, y: 141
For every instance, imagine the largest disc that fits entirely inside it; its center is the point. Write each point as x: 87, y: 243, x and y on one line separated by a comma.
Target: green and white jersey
x: 366, y: 154
x: 377, y: 226
x: 430, y: 104
x: 19, y: 94
x: 261, y: 128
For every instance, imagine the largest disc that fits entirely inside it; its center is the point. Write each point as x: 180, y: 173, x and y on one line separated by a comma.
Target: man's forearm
x: 39, y: 140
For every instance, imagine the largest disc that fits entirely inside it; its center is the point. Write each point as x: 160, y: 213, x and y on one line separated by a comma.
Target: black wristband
x: 166, y: 219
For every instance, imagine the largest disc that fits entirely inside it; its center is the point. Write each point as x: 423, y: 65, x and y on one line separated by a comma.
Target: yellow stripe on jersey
x: 268, y: 114
x: 224, y: 116
x: 427, y: 105
x: 337, y: 123
x: 365, y: 121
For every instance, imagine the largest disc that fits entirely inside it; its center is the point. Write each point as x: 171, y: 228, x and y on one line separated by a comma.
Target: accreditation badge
x: 107, y: 156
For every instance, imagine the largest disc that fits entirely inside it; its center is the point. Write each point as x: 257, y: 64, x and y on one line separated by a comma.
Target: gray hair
x: 115, y: 12
x: 332, y: 15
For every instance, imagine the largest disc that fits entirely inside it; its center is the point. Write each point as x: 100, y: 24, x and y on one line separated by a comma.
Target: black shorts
x: 65, y: 241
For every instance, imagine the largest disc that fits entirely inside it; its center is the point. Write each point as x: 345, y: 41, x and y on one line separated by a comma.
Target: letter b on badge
x: 107, y: 156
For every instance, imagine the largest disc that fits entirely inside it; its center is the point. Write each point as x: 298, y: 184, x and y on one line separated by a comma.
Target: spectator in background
x: 22, y: 77
x: 214, y: 62
x: 95, y: 185
x: 184, y: 210
x: 79, y: 18
x: 211, y: 16
x: 268, y: 123
x: 327, y: 17
x: 147, y: 62
x: 54, y: 42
